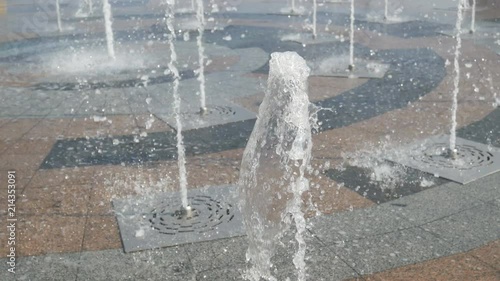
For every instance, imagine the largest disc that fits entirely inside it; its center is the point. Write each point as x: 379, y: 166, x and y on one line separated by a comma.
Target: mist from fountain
x: 181, y: 151
x: 272, y: 176
x: 456, y: 80
x: 106, y: 9
x: 200, y: 15
x: 58, y: 13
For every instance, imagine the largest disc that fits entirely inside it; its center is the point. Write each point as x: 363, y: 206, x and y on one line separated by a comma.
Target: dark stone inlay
x: 358, y: 179
x: 375, y: 97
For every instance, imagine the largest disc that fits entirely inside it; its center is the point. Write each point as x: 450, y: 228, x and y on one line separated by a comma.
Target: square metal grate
x: 149, y: 223
x: 473, y: 160
x: 219, y: 112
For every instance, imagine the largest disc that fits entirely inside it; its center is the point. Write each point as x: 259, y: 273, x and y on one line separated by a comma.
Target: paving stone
x: 395, y: 249
x: 47, y: 267
x: 435, y: 203
x: 357, y: 224
x: 468, y: 229
x: 151, y: 265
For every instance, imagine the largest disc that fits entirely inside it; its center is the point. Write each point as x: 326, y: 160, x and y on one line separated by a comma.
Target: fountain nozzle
x: 471, y: 31
x: 350, y: 68
x: 186, y: 212
x: 203, y: 110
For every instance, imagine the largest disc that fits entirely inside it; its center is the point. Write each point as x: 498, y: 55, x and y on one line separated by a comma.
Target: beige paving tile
x: 39, y: 235
x: 63, y: 200
x: 101, y: 233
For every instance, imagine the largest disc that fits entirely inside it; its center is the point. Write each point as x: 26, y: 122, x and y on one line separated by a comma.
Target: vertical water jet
x: 456, y: 80
x: 172, y: 67
x: 200, y: 15
x: 351, y: 39
x: 108, y: 22
x: 272, y: 176
x: 58, y: 14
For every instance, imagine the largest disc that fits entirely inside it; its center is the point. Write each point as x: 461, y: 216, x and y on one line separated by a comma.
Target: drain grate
x: 218, y: 112
x: 208, y: 213
x: 148, y: 223
x: 473, y: 160
x: 468, y: 157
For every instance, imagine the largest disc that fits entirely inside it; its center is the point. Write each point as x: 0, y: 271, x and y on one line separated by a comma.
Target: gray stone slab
x: 225, y: 253
x: 468, y: 229
x: 321, y: 262
x: 151, y: 222
x: 435, y: 203
x: 46, y: 267
x: 474, y: 160
x: 219, y: 112
x: 353, y: 225
x: 164, y: 264
x: 399, y: 248
x: 484, y: 189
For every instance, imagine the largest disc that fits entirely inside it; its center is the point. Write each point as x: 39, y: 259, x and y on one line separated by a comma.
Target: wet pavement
x: 81, y: 137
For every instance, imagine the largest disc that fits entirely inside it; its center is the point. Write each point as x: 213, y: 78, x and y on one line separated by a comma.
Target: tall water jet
x: 200, y: 15
x: 473, y: 18
x: 315, y: 11
x: 106, y: 9
x: 181, y: 152
x: 456, y: 81
x: 351, y: 39
x: 276, y: 157
x: 386, y: 9
x: 58, y: 13
x: 90, y: 6
x: 293, y: 6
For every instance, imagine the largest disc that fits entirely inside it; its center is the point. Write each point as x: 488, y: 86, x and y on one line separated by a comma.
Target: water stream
x: 272, y: 176
x: 200, y: 15
x: 58, y: 12
x: 456, y: 72
x: 172, y: 67
x: 351, y: 38
x: 106, y: 9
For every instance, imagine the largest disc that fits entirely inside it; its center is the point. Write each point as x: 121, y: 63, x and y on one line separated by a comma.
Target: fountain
x: 313, y: 37
x: 274, y: 162
x: 58, y: 12
x: 200, y: 15
x: 292, y: 10
x: 335, y: 66
x: 473, y: 17
x: 106, y: 9
x: 186, y: 210
x: 460, y: 160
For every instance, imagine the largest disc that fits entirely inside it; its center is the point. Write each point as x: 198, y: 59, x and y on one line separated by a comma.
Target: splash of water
x: 473, y: 17
x: 181, y: 151
x: 456, y: 71
x: 315, y: 11
x: 58, y: 12
x: 351, y: 39
x: 106, y: 9
x: 200, y: 15
x: 274, y: 163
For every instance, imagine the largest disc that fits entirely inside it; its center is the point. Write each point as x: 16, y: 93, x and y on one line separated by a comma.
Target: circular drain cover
x: 468, y: 157
x: 208, y: 213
